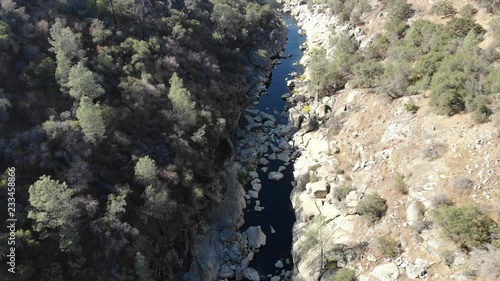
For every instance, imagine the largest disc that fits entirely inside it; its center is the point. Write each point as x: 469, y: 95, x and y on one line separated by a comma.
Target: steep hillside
x: 115, y: 121
x: 398, y: 177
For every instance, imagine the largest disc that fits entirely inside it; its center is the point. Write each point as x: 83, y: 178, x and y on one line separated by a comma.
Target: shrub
x: 399, y: 183
x: 399, y: 9
x: 444, y: 9
x: 468, y: 11
x: 461, y: 26
x: 441, y: 199
x: 366, y: 73
x: 372, y: 205
x: 389, y: 246
x: 344, y: 274
x: 341, y: 192
x: 306, y: 109
x: 456, y: 84
x: 394, y: 82
x: 463, y: 183
x: 482, y: 114
x: 411, y: 107
x: 434, y: 151
x: 378, y: 48
x: 448, y: 257
x: 395, y: 28
x: 467, y: 226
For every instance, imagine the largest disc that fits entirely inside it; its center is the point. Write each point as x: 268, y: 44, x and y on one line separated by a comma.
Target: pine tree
x: 91, y: 119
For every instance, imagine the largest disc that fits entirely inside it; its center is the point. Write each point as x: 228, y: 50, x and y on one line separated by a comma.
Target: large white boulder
x: 319, y: 189
x: 255, y: 236
x: 386, y: 272
x: 275, y: 176
x: 251, y: 274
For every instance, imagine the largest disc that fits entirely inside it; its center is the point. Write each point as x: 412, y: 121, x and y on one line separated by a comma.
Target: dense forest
x: 116, y: 116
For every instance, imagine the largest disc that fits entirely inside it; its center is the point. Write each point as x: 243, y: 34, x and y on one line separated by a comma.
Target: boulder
x: 319, y: 189
x: 251, y: 274
x: 253, y: 194
x: 226, y: 272
x: 290, y: 84
x: 256, y: 186
x: 269, y: 123
x: 284, y: 156
x: 386, y: 272
x: 263, y: 161
x: 310, y: 125
x: 295, y: 116
x: 275, y: 278
x: 299, y: 98
x: 255, y: 236
x: 285, y: 96
x: 275, y: 176
x: 418, y: 269
x: 278, y: 264
x: 412, y: 213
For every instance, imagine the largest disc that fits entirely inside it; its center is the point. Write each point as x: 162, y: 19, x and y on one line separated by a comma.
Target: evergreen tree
x: 183, y: 105
x: 91, y: 119
x: 53, y: 208
x: 145, y: 170
x: 82, y: 82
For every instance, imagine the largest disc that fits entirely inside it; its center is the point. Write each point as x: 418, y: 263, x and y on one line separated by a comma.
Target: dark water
x: 275, y: 195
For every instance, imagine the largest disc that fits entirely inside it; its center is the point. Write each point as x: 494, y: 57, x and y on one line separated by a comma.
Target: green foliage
x: 395, y: 80
x: 117, y: 203
x: 456, y: 84
x: 182, y: 103
x: 378, y: 48
x: 420, y: 34
x: 344, y: 274
x: 142, y: 269
x: 444, y: 9
x: 91, y: 119
x: 65, y: 42
x: 82, y: 82
x: 461, y: 26
x: 145, y: 170
x: 399, y: 183
x: 40, y: 76
x: 99, y: 32
x: 411, y: 107
x: 395, y: 28
x: 482, y: 114
x: 448, y: 257
x: 399, y: 9
x: 467, y: 225
x: 372, y: 206
x: 54, y: 209
x: 367, y: 73
x: 341, y: 192
x: 156, y: 203
x: 468, y: 11
x: 4, y: 35
x: 62, y: 71
x: 389, y: 246
x: 199, y: 135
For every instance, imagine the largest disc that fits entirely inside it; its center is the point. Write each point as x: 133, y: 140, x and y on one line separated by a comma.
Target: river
x: 275, y: 195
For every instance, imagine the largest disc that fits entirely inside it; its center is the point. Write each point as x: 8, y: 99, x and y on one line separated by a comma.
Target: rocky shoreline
x: 222, y: 252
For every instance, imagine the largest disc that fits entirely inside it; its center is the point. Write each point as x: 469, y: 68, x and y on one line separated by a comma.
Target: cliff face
x: 365, y: 143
